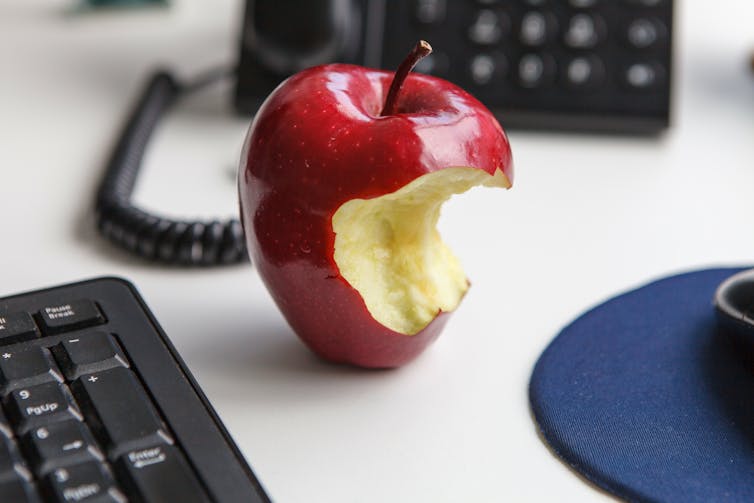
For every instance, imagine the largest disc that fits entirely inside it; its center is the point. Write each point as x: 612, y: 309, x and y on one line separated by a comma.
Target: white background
x: 588, y: 216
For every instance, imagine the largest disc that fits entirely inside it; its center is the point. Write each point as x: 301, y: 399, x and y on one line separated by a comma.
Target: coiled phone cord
x: 189, y: 243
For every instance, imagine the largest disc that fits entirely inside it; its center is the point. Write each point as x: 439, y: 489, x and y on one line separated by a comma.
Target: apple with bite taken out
x: 343, y: 173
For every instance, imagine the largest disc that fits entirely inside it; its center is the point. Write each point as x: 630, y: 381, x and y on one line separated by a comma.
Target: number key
x: 89, y: 481
x: 28, y: 367
x: 40, y: 405
x: 58, y: 445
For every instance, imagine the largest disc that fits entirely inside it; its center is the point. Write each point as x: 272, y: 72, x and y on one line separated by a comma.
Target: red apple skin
x: 317, y: 142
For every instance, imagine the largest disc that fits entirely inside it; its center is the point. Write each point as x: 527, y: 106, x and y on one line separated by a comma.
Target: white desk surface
x: 589, y: 216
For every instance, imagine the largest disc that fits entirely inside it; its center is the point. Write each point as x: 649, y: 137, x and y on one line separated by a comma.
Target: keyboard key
x: 159, y: 473
x: 18, y: 490
x: 59, y: 445
x: 70, y: 316
x: 119, y: 411
x: 27, y: 367
x: 85, y: 482
x: 88, y: 353
x: 17, y: 327
x: 11, y: 464
x: 40, y: 406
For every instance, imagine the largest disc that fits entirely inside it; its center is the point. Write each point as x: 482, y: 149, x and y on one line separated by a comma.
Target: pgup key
x: 40, y: 405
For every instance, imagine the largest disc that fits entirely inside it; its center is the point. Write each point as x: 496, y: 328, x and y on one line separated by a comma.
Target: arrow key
x: 58, y: 445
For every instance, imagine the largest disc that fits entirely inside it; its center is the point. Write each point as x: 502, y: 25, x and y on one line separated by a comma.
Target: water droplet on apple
x: 305, y: 248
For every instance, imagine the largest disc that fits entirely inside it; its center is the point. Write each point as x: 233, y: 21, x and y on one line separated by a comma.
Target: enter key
x: 159, y: 473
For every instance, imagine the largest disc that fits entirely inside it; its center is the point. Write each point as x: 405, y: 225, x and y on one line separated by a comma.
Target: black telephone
x: 553, y: 64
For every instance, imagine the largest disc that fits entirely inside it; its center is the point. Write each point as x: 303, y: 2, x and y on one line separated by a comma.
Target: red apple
x: 340, y: 191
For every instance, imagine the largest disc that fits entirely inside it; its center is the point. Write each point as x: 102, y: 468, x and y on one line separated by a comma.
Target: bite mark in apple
x: 389, y: 250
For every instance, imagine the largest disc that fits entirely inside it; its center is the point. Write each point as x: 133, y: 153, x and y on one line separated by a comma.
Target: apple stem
x: 421, y: 49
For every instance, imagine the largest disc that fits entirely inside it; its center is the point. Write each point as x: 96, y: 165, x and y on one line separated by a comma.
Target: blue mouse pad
x: 646, y: 400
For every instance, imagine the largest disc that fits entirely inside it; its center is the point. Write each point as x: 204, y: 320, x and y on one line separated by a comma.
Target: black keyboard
x: 97, y: 406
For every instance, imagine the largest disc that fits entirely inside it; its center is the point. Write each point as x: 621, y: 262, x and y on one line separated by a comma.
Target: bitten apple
x: 342, y: 177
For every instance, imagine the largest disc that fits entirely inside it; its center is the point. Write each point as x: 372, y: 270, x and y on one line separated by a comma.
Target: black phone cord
x: 180, y: 242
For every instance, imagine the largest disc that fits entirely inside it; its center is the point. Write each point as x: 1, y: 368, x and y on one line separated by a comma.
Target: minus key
x: 87, y: 353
